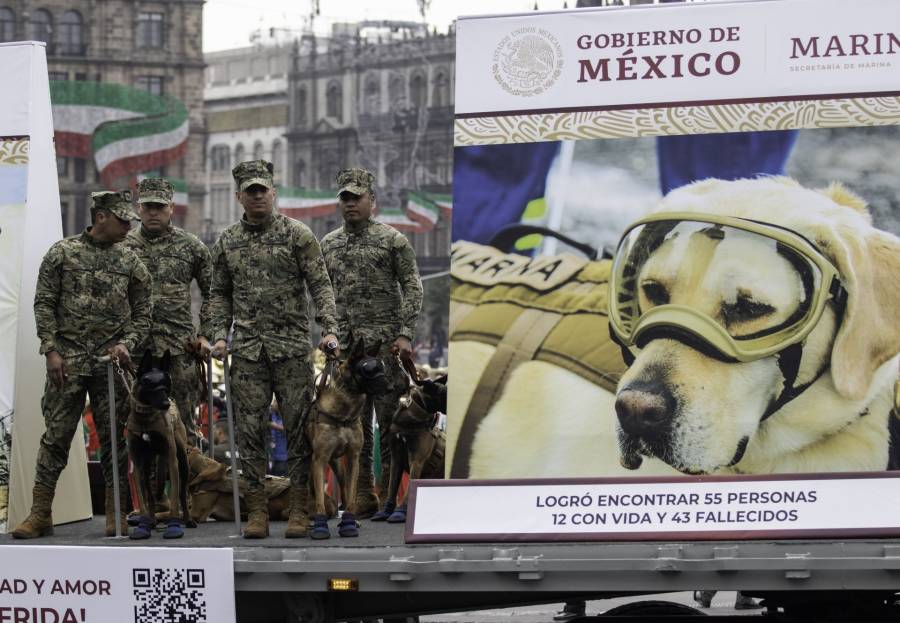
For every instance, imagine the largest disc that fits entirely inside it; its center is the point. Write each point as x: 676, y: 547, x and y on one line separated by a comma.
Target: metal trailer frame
x: 405, y: 581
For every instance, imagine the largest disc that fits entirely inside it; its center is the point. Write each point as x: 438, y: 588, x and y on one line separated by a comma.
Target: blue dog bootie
x: 348, y: 525
x: 174, y: 529
x: 320, y: 528
x: 384, y: 513
x: 398, y: 516
x: 143, y: 529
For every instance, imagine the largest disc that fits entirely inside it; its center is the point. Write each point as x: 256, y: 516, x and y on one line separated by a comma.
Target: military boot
x: 257, y: 513
x: 366, y: 501
x: 298, y: 520
x: 40, y: 521
x: 110, y: 507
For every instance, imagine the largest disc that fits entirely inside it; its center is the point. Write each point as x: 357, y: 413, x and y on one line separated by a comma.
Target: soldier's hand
x: 202, y: 347
x: 120, y: 352
x: 329, y: 345
x: 403, y: 348
x: 56, y: 369
x: 219, y: 349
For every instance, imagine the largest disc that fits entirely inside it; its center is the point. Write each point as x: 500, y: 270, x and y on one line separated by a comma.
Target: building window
x: 417, y: 90
x: 396, y: 91
x: 80, y: 170
x: 71, y: 34
x: 151, y: 30
x: 7, y: 24
x: 300, y: 111
x: 258, y: 150
x: 221, y: 158
x: 40, y: 27
x: 276, y: 159
x: 441, y: 93
x: 371, y: 95
x: 81, y: 213
x: 62, y: 167
x: 299, y: 173
x: 150, y: 84
x: 334, y: 101
x: 238, y: 154
x: 60, y: 76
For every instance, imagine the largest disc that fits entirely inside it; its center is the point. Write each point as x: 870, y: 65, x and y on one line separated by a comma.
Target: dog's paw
x: 190, y: 523
x: 398, y: 516
x: 174, y: 529
x: 384, y: 513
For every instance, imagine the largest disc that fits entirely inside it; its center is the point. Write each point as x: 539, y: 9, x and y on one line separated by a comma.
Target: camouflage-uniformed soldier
x: 92, y: 299
x: 174, y: 258
x: 262, y: 267
x: 378, y: 295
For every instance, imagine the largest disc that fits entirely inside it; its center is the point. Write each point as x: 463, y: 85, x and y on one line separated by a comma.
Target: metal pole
x: 235, y: 490
x: 209, y: 405
x: 110, y: 378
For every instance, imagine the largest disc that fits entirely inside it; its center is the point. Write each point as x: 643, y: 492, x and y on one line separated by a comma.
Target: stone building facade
x: 378, y: 95
x: 154, y: 46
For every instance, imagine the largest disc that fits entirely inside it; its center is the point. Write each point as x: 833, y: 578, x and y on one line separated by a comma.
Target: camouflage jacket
x: 174, y: 258
x: 260, y: 278
x: 90, y: 296
x: 376, y: 282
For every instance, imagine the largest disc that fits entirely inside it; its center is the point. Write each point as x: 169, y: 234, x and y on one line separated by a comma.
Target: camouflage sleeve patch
x: 137, y: 329
x: 203, y: 276
x: 46, y: 297
x: 312, y: 264
x: 407, y: 272
x: 220, y: 304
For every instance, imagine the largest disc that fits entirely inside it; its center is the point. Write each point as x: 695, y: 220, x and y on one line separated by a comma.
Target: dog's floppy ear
x: 166, y: 362
x: 146, y: 362
x: 373, y: 351
x: 869, y: 335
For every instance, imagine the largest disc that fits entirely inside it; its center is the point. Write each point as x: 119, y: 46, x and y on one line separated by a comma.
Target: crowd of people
x: 117, y: 292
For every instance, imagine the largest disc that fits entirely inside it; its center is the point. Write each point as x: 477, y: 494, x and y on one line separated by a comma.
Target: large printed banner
x: 729, y: 67
x: 675, y: 255
x: 55, y: 585
x: 733, y: 508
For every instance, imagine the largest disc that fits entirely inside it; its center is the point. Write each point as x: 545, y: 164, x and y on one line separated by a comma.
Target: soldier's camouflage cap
x: 252, y: 172
x: 155, y: 190
x: 356, y: 181
x: 116, y: 201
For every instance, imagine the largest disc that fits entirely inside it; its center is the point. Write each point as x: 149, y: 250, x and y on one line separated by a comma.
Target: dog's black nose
x: 642, y: 413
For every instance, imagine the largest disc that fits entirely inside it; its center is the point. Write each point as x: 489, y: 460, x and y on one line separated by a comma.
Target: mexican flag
x: 126, y: 130
x: 444, y: 202
x: 298, y: 203
x: 422, y: 209
x: 398, y: 220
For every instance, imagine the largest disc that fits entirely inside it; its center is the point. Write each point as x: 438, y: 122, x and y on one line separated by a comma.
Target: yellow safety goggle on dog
x: 744, y: 288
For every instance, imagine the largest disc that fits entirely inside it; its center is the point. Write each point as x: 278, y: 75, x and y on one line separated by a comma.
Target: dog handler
x: 174, y: 258
x: 262, y: 268
x: 378, y: 294
x: 92, y: 299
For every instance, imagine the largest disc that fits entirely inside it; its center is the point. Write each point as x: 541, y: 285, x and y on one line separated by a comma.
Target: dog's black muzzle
x: 154, y: 388
x: 371, y: 374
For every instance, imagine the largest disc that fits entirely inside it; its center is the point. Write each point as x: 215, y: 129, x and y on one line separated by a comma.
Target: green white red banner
x: 124, y: 129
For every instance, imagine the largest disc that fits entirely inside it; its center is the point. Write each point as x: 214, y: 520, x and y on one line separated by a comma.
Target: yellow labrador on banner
x: 549, y: 422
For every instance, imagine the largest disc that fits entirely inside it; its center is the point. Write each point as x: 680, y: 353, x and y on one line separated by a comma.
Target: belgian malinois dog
x: 335, y: 430
x: 157, y: 439
x: 417, y: 445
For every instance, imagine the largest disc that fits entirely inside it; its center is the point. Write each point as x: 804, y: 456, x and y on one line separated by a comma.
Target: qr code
x: 169, y: 595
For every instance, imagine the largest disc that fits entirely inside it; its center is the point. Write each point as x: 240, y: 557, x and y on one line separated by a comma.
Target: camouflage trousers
x: 385, y: 407
x: 185, y: 391
x: 253, y: 383
x: 62, y: 409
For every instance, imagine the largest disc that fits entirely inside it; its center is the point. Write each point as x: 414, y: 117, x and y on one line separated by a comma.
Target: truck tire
x: 652, y: 608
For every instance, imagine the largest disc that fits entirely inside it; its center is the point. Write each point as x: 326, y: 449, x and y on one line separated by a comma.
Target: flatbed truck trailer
x: 282, y: 580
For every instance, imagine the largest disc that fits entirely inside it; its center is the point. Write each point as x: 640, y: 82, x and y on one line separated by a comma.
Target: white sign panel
x: 709, y: 508
x: 100, y: 584
x: 591, y: 60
